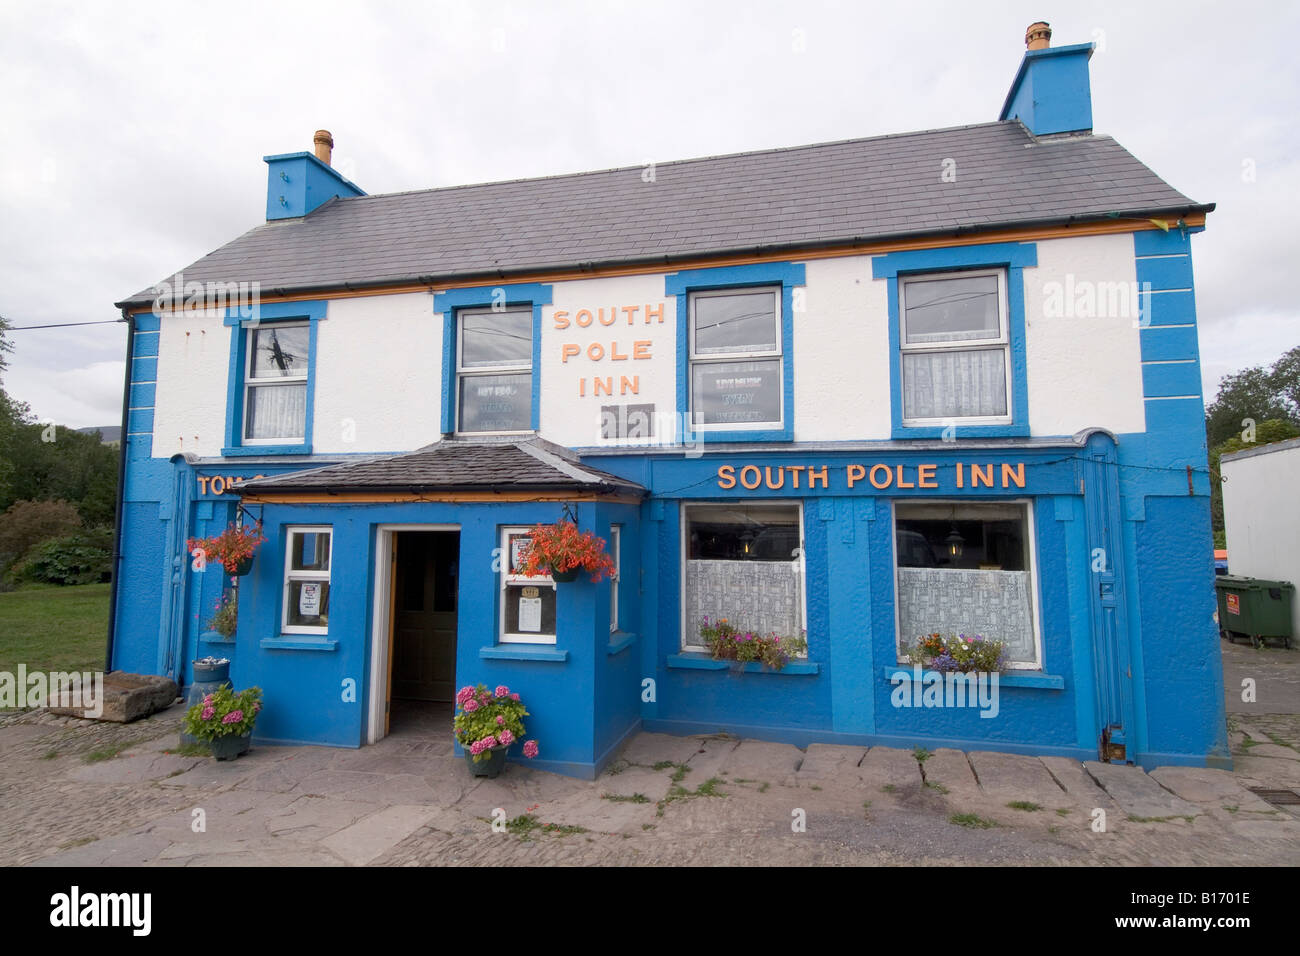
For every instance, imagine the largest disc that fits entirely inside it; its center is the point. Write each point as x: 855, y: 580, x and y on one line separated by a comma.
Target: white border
x: 716, y: 358
x: 506, y: 578
x: 290, y: 575
x: 488, y: 370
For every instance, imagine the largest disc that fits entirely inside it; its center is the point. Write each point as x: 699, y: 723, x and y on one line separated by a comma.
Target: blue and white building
x: 943, y: 381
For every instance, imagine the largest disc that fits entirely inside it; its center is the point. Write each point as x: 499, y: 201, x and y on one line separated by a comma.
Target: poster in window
x: 737, y: 392
x: 309, y: 599
x: 518, y: 544
x: 530, y: 614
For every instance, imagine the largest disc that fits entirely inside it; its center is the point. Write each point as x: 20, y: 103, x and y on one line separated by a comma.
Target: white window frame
x: 480, y: 370
x: 722, y: 358
x: 290, y: 575
x: 1031, y: 545
x: 684, y: 556
x: 616, y: 548
x: 507, y: 579
x: 1003, y: 342
x: 250, y: 347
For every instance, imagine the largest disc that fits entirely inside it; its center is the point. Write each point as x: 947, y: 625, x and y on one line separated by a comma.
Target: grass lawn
x: 52, y: 628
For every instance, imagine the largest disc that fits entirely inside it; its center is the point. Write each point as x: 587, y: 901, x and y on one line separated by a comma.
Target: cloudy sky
x: 135, y: 131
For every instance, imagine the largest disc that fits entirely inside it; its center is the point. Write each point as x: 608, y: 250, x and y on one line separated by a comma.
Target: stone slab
x: 372, y: 836
x: 708, y: 760
x: 1079, y: 786
x: 653, y: 784
x: 1136, y: 793
x: 830, y: 765
x: 885, y: 766
x: 1202, y: 785
x: 129, y: 697
x: 759, y: 757
x: 16, y: 734
x: 949, y: 769
x: 137, y: 769
x: 1010, y: 778
x: 650, y: 749
x: 121, y: 850
x: 1267, y: 771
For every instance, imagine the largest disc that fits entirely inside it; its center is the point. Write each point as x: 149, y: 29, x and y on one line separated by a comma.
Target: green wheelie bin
x: 1254, y: 608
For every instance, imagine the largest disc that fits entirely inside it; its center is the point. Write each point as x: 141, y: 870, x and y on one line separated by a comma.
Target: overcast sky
x: 134, y: 132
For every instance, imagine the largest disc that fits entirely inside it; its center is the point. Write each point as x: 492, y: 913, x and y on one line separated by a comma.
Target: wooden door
x: 424, y: 616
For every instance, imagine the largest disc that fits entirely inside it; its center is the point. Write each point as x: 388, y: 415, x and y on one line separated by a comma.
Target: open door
x: 423, y: 616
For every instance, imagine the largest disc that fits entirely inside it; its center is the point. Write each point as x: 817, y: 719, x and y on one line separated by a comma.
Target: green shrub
x: 83, y: 557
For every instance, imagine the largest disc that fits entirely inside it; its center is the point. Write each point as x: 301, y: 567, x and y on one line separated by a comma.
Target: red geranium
x: 562, y: 547
x: 231, y: 547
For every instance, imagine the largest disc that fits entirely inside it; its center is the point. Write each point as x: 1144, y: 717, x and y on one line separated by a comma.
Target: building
x: 1261, y: 516
x: 943, y: 381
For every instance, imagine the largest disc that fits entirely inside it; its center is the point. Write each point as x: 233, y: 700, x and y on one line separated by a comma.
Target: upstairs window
x: 494, y: 370
x: 736, y: 359
x: 955, y: 349
x: 275, y: 383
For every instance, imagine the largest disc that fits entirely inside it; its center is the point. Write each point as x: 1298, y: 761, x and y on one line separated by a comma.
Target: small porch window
x: 307, y: 581
x: 527, y: 604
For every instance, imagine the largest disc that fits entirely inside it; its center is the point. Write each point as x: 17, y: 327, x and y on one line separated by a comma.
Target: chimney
x: 1037, y: 37
x: 324, y: 143
x: 297, y: 183
x: 1051, y: 92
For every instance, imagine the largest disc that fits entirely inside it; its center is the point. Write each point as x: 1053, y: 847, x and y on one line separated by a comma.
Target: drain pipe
x: 122, y: 448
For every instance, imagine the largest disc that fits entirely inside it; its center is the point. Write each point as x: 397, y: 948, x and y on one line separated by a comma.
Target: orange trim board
x: 367, y: 498
x: 1107, y: 227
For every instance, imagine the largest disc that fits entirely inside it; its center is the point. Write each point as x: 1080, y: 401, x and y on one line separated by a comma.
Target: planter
x: 229, y: 747
x: 492, y: 767
x: 243, y: 567
x: 211, y: 673
x: 564, y: 577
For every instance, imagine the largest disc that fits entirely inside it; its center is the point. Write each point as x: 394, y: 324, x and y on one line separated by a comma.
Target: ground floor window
x: 742, y: 562
x: 967, y: 568
x: 307, y: 581
x: 527, y: 604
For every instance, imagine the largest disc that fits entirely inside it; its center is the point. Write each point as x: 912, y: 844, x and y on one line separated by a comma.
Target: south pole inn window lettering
x: 494, y: 368
x: 743, y: 562
x: 275, y: 383
x: 735, y: 352
x: 954, y: 348
x: 967, y: 568
x: 307, y: 581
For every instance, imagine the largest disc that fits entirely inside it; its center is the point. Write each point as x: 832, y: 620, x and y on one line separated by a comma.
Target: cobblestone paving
x: 80, y: 793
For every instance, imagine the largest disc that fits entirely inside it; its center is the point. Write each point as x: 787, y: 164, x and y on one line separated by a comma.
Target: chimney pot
x: 324, y: 144
x: 1038, y: 36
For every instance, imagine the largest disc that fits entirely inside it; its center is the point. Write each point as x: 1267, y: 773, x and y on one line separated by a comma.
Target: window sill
x: 522, y: 652
x: 742, y: 435
x: 620, y: 641
x: 1035, y: 679
x: 212, y: 637
x: 961, y: 431
x: 299, y: 644
x: 242, y: 451
x: 704, y: 662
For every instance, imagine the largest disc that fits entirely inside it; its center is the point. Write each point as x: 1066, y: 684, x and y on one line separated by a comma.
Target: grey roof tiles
x: 831, y: 193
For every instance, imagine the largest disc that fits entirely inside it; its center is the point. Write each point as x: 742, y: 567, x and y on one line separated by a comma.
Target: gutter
x: 129, y: 319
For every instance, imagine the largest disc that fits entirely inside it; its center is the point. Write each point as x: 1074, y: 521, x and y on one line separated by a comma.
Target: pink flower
x: 464, y: 694
x: 207, y: 701
x: 502, y: 691
x: 488, y: 741
x: 507, y: 738
x: 208, y: 713
x: 477, y: 748
x: 530, y: 748
x: 234, y: 717
x: 470, y: 706
x: 500, y: 720
x: 514, y: 696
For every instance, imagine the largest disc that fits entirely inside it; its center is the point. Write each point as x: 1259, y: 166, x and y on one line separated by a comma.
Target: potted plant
x: 224, y: 720
x: 233, y: 549
x: 226, y: 615
x: 211, y: 670
x: 959, y: 653
x: 487, y: 724
x: 562, y: 551
x: 726, y: 642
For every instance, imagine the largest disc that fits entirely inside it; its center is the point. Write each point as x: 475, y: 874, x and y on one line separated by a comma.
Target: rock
x: 129, y: 697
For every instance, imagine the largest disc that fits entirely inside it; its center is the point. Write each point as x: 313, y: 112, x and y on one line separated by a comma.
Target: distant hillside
x: 108, y: 434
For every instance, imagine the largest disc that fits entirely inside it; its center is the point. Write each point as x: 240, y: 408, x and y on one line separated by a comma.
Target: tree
x: 1255, y: 394
x: 13, y: 415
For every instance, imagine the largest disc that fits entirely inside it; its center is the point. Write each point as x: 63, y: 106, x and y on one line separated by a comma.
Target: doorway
x: 415, y: 631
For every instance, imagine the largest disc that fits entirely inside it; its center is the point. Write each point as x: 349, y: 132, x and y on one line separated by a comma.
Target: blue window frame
x: 271, y: 382
x: 478, y: 305
x: 991, y: 338
x: 759, y: 348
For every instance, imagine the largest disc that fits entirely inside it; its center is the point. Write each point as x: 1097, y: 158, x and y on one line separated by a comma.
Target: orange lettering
x: 641, y: 348
x: 726, y: 476
x: 578, y: 318
x: 613, y: 314
x: 657, y: 311
x: 758, y: 477
x: 595, y: 351
x: 562, y: 319
x: 1017, y: 475
x: 981, y: 476
x: 794, y: 474
x: 960, y: 481
x: 606, y: 384
x: 614, y: 353
x: 925, y: 476
x: 889, y: 476
x: 569, y: 349
x: 203, y: 484
x: 856, y: 473
x: 780, y: 472
x: 632, y: 385
x: 813, y: 476
x: 901, y: 482
x: 630, y: 311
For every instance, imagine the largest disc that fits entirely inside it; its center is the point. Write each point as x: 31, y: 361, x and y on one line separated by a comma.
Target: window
x: 307, y: 581
x: 735, y: 350
x: 955, y: 349
x: 527, y: 604
x: 275, y: 383
x: 494, y: 370
x: 615, y: 548
x: 742, y: 562
x: 966, y: 568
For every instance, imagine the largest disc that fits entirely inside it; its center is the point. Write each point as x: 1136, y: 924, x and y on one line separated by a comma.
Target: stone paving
x: 79, y: 793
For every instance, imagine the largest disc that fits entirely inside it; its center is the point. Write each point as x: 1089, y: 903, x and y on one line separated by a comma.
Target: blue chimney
x: 296, y: 183
x: 1051, y: 93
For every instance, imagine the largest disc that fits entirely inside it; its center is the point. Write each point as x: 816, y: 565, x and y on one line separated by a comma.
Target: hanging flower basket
x: 233, y: 549
x: 562, y: 551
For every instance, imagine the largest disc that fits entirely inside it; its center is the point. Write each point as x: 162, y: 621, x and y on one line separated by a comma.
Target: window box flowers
x: 233, y: 549
x: 487, y: 724
x: 958, y: 653
x: 224, y: 720
x: 726, y: 642
x: 562, y: 551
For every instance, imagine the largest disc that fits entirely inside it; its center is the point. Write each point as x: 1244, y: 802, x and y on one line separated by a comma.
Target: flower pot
x: 564, y: 577
x: 211, y: 673
x: 491, y: 767
x: 243, y: 567
x: 229, y: 747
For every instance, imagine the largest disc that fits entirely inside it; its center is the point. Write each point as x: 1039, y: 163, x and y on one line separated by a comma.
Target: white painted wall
x: 379, y: 360
x: 1261, y: 516
x: 1082, y: 370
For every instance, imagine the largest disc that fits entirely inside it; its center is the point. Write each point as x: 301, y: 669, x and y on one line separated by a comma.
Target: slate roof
x: 827, y: 194
x: 532, y: 464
